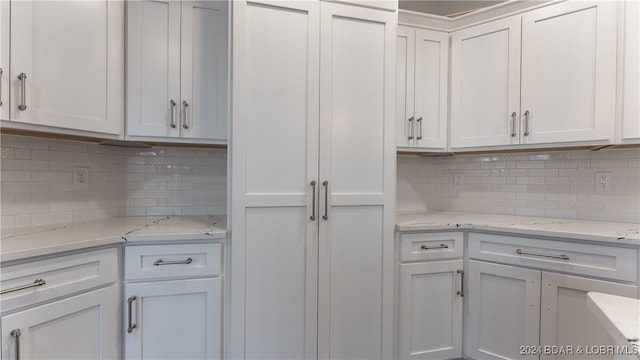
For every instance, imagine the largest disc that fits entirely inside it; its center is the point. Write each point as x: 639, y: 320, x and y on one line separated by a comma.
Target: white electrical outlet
x: 458, y: 181
x: 603, y: 182
x: 80, y: 177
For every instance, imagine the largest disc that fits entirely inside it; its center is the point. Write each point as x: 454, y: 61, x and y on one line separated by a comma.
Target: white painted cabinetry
x: 177, y: 71
x: 539, y: 299
x: 173, y: 301
x: 313, y: 164
x: 64, y: 307
x: 430, y: 296
x: 4, y: 59
x: 631, y: 74
x: 66, y: 66
x: 422, y: 67
x: 544, y: 77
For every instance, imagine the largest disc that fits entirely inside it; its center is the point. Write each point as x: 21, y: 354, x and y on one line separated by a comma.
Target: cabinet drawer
x: 61, y: 275
x: 430, y: 246
x: 585, y: 259
x: 172, y: 261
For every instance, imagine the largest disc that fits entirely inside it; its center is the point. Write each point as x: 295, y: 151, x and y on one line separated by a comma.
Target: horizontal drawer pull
x: 176, y: 262
x: 561, y: 256
x: 36, y: 283
x: 441, y: 246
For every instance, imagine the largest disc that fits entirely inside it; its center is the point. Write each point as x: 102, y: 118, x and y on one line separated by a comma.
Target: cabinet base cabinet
x: 503, y: 311
x: 430, y: 310
x: 566, y: 319
x: 80, y: 327
x: 178, y: 319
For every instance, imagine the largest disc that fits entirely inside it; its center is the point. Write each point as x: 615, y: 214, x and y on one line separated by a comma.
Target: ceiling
x: 445, y: 7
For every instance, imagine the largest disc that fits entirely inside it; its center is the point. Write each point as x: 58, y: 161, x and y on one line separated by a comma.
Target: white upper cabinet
x: 177, y: 71
x: 631, y: 75
x: 485, y: 84
x: 421, y: 88
x: 545, y: 77
x: 66, y: 64
x: 4, y: 60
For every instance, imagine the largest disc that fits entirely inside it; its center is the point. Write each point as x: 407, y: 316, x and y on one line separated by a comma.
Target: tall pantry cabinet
x: 313, y: 186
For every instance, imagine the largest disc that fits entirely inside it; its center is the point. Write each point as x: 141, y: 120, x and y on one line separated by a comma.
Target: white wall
x: 37, y: 190
x: 554, y: 184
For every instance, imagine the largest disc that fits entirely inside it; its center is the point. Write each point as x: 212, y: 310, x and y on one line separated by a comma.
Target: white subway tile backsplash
x: 38, y: 190
x: 554, y: 184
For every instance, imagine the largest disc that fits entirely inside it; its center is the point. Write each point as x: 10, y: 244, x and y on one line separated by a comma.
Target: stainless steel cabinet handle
x: 132, y: 326
x: 313, y: 201
x: 36, y: 283
x: 419, y: 122
x: 526, y: 123
x: 172, y: 124
x: 173, y: 262
x: 185, y: 123
x: 513, y: 124
x: 16, y: 333
x: 561, y: 256
x: 23, y: 84
x: 461, y: 291
x: 410, y: 128
x: 1, y: 86
x: 441, y: 246
x: 326, y: 200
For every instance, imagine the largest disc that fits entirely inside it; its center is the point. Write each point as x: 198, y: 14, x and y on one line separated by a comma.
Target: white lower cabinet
x: 541, y: 312
x: 80, y: 327
x: 178, y: 319
x: 173, y: 301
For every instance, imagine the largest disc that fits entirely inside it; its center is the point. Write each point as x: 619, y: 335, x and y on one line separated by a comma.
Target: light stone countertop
x: 612, y: 232
x: 621, y: 317
x: 112, y: 231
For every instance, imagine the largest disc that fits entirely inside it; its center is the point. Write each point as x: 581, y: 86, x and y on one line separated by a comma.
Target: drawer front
x: 61, y: 275
x: 430, y: 246
x: 585, y: 259
x: 143, y: 262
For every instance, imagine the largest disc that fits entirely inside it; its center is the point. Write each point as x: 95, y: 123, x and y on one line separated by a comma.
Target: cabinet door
x: 631, y: 78
x: 179, y: 319
x: 569, y: 72
x: 485, y: 84
x: 431, y: 78
x: 566, y: 319
x: 405, y: 59
x: 71, y: 56
x: 153, y: 68
x: 204, y: 70
x: 81, y: 327
x: 275, y: 147
x: 504, y: 311
x: 4, y: 60
x: 430, y: 310
x: 357, y: 167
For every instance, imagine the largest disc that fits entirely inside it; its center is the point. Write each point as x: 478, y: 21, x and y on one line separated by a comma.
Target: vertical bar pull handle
x: 313, y: 201
x: 419, y: 122
x: 326, y: 200
x: 185, y: 123
x: 513, y: 124
x: 132, y: 326
x: 1, y: 86
x: 23, y: 85
x: 172, y: 124
x: 410, y: 128
x: 526, y: 123
x: 16, y: 334
x: 461, y: 291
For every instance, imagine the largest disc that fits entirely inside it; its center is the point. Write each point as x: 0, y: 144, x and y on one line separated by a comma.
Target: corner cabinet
x: 431, y: 292
x: 544, y: 77
x: 177, y: 71
x: 422, y: 67
x: 314, y: 158
x: 66, y: 66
